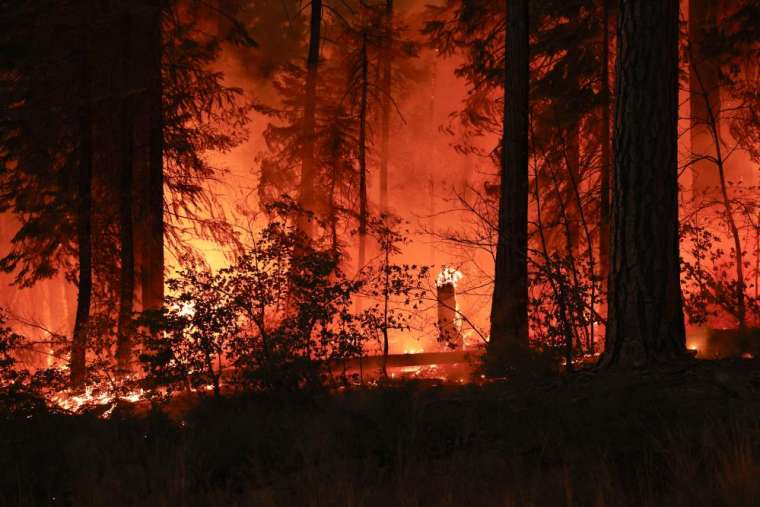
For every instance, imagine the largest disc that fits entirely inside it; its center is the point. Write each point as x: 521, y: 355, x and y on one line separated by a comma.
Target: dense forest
x: 380, y: 252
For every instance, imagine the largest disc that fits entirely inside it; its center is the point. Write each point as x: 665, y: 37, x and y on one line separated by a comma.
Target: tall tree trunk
x: 386, y: 305
x: 604, y: 140
x: 509, y: 312
x: 126, y: 195
x: 385, y: 118
x: 153, y: 255
x: 713, y: 124
x: 306, y: 197
x: 704, y: 87
x: 645, y: 323
x: 77, y: 365
x: 363, y: 205
x: 741, y: 304
x: 704, y: 95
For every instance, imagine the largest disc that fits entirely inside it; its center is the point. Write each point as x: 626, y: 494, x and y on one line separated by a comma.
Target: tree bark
x: 77, y: 362
x: 306, y: 197
x: 126, y: 196
x: 153, y: 255
x: 509, y: 312
x: 645, y: 323
x: 385, y: 117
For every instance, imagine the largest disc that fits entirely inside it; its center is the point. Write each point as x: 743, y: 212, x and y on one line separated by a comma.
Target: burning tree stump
x: 449, y: 323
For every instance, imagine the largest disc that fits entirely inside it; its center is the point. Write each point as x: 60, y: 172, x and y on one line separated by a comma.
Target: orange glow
x: 427, y: 175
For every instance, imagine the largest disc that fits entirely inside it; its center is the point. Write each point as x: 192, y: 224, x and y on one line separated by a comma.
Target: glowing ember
x: 448, y: 276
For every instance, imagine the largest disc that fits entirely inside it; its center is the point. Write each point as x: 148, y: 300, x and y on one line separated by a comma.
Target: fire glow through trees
x: 405, y: 120
x: 380, y: 252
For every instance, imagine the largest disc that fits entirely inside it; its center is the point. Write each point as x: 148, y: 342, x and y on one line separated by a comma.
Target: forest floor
x: 684, y: 435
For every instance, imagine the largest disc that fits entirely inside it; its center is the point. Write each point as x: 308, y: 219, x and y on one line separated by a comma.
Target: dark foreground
x: 688, y: 435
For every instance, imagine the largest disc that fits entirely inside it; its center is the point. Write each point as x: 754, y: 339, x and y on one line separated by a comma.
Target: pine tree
x: 645, y: 323
x: 55, y: 145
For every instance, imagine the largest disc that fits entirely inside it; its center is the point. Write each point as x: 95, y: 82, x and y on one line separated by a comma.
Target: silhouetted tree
x: 84, y: 212
x: 509, y: 312
x: 306, y: 195
x: 704, y: 90
x: 68, y: 121
x: 645, y: 323
x: 386, y: 94
x: 565, y: 96
x: 718, y: 66
x: 605, y: 105
x: 126, y: 198
x: 152, y: 255
x: 363, y: 106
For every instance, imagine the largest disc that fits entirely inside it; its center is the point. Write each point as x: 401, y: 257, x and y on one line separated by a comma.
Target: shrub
x: 270, y: 320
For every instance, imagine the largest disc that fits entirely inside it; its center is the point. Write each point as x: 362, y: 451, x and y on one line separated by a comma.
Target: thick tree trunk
x: 153, y: 254
x: 645, y: 323
x: 704, y: 96
x: 363, y: 205
x: 306, y: 197
x: 77, y: 364
x: 126, y: 195
x: 509, y: 313
x: 385, y: 118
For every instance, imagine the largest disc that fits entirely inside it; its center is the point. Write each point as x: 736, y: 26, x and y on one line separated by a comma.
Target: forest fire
x: 95, y: 397
x: 365, y: 251
x: 449, y: 320
x: 448, y: 276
